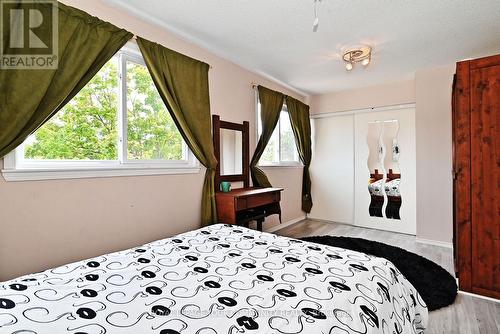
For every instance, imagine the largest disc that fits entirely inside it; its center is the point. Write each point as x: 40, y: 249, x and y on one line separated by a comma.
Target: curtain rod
x: 135, y: 38
x: 256, y: 85
x: 364, y: 110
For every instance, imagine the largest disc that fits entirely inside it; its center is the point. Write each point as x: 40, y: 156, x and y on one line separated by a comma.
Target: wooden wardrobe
x: 476, y: 160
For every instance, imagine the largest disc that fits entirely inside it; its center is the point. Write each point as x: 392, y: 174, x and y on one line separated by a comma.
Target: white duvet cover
x: 218, y: 279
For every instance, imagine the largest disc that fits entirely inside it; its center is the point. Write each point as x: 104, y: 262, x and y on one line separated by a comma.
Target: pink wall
x: 434, y: 153
x: 49, y: 223
x: 367, y: 97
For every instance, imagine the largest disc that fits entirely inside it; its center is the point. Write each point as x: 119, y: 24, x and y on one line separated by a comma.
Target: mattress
x: 217, y: 279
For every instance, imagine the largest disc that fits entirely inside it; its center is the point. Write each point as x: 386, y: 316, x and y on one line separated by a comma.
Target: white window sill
x: 282, y: 165
x: 37, y: 174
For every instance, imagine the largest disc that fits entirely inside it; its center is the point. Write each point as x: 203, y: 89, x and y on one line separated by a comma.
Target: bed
x: 217, y: 279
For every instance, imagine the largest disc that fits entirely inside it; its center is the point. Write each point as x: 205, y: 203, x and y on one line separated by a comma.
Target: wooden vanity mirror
x: 245, y: 204
x: 231, y: 145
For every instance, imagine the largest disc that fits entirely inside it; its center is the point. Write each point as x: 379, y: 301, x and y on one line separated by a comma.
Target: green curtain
x: 271, y: 103
x: 29, y: 97
x: 301, y: 126
x: 183, y: 85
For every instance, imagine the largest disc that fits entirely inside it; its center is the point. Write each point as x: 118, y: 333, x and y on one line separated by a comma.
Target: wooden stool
x: 252, y: 215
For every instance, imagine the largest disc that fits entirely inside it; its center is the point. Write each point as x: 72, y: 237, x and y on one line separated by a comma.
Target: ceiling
x: 275, y: 38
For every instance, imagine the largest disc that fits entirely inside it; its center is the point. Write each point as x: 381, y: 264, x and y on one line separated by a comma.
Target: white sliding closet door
x: 332, y: 169
x: 385, y: 142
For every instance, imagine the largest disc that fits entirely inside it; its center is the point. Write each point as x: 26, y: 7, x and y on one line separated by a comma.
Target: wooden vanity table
x: 240, y: 205
x: 246, y: 204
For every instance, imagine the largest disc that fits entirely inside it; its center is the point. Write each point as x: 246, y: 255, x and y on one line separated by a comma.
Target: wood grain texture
x: 485, y: 62
x: 476, y: 112
x: 461, y: 182
x: 468, y: 315
x: 485, y: 102
x: 216, y: 141
x: 231, y: 204
x: 244, y: 127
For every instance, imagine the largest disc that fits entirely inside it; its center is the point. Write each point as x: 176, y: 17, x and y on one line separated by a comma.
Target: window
x: 118, y: 121
x: 151, y: 132
x: 281, y: 149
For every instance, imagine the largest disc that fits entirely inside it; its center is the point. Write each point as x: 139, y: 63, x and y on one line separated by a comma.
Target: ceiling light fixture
x: 359, y: 54
x: 316, y: 17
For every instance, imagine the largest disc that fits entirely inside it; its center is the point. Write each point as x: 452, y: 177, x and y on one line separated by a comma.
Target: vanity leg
x: 259, y: 224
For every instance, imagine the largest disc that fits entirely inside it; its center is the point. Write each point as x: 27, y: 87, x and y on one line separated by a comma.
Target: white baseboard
x: 479, y: 296
x: 328, y: 221
x: 434, y: 242
x: 285, y: 224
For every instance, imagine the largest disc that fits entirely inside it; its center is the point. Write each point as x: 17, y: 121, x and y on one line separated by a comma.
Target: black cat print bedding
x: 218, y: 279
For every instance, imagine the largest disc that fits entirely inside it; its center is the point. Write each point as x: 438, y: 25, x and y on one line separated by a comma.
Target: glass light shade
x: 348, y: 66
x: 365, y: 62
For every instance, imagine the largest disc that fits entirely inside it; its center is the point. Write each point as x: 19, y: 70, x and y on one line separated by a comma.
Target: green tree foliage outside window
x: 281, y: 146
x: 152, y: 134
x: 84, y: 129
x: 87, y: 127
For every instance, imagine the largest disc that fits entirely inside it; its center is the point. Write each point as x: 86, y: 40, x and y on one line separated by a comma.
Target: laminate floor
x: 468, y: 315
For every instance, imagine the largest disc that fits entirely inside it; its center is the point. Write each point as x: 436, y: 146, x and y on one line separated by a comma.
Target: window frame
x: 17, y: 168
x: 280, y: 163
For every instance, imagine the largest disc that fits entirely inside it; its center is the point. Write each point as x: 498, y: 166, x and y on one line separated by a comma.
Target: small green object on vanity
x: 225, y: 186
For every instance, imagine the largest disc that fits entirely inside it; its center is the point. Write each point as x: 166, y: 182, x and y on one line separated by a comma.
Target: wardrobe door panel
x: 461, y: 177
x: 485, y: 162
x: 332, y: 169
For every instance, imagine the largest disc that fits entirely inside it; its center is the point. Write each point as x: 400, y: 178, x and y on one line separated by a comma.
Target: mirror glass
x: 391, y: 167
x: 375, y: 167
x: 231, y: 152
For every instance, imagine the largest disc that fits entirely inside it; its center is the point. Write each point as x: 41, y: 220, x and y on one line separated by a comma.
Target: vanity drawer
x: 241, y: 204
x: 232, y: 205
x: 262, y: 199
x: 257, y: 200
